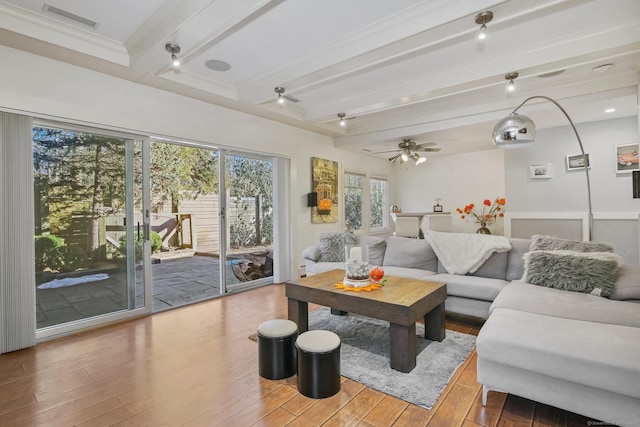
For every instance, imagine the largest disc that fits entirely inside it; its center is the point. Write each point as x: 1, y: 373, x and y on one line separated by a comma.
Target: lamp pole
x: 584, y: 157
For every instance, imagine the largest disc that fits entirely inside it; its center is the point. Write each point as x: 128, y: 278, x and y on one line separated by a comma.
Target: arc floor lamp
x: 518, y: 129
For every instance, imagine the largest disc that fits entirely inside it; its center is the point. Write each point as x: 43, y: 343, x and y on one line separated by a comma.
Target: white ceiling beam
x: 29, y: 24
x: 364, y: 48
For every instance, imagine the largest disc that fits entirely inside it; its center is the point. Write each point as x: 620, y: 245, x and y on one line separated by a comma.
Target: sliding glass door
x: 91, y: 225
x: 248, y: 216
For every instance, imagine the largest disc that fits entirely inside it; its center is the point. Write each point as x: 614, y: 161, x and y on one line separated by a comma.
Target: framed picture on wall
x: 627, y: 158
x: 577, y: 162
x: 540, y: 171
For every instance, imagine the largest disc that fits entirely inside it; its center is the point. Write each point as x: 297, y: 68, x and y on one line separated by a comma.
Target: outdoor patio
x: 175, y: 282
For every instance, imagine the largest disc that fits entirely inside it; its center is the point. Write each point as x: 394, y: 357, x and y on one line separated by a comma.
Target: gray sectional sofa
x: 470, y: 294
x: 574, y: 350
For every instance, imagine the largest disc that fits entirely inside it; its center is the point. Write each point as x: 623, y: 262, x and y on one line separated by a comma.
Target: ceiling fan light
x: 420, y: 160
x: 404, y: 156
x: 511, y: 86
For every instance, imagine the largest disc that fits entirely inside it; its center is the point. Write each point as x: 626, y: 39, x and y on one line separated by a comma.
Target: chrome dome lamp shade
x: 516, y: 130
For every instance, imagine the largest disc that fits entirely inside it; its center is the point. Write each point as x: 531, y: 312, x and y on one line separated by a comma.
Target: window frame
x: 365, y: 202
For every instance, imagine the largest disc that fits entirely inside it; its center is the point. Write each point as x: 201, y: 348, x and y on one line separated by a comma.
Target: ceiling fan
x: 409, y: 150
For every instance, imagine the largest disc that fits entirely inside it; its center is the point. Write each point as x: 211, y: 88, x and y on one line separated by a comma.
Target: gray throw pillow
x: 377, y: 247
x: 588, y: 272
x: 332, y: 246
x: 549, y: 243
x: 627, y: 283
x: 411, y: 253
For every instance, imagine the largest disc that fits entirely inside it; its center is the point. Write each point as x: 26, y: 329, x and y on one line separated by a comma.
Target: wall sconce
x: 312, y: 199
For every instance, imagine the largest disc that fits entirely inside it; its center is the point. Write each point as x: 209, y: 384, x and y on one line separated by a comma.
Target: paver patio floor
x: 175, y: 282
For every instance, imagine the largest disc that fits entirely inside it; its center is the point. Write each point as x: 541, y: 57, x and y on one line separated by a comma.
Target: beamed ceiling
x: 397, y: 69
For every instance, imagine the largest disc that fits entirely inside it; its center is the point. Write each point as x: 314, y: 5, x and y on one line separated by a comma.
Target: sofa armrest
x: 312, y: 253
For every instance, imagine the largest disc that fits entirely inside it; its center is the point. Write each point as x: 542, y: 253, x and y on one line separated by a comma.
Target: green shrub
x: 72, y: 258
x: 46, y: 254
x: 156, y: 244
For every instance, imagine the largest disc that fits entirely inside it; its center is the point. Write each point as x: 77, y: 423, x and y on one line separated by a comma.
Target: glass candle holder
x: 357, y: 263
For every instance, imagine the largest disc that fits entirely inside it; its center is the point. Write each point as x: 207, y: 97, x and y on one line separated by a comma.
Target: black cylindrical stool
x: 318, y: 363
x: 276, y: 349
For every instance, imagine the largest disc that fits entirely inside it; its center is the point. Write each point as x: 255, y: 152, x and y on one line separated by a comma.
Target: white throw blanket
x: 462, y: 253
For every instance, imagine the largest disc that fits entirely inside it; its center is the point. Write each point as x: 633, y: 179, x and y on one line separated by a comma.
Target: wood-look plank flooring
x: 195, y: 366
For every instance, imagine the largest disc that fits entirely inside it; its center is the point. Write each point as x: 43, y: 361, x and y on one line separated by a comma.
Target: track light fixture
x: 280, y: 90
x: 511, y: 86
x: 173, y: 49
x: 343, y: 122
x: 481, y: 19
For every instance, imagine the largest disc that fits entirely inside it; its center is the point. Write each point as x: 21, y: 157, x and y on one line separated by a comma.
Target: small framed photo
x: 577, y: 162
x: 540, y: 171
x: 627, y: 158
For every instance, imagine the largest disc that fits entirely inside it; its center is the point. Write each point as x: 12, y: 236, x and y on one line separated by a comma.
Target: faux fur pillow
x: 548, y: 243
x: 588, y: 272
x: 332, y: 246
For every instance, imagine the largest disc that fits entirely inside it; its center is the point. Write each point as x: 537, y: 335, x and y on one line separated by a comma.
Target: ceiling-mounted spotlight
x: 511, y: 86
x: 481, y: 19
x: 173, y: 49
x: 343, y: 122
x: 280, y: 90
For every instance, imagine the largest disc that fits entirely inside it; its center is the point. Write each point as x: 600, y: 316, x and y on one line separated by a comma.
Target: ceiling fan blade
x: 429, y: 149
x: 382, y: 152
x: 426, y: 144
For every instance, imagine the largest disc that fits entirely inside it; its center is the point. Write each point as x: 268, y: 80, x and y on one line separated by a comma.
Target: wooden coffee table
x: 400, y: 302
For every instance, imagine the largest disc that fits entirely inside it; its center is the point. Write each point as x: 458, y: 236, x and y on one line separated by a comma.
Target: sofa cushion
x: 495, y: 267
x: 377, y: 247
x: 627, y: 283
x: 322, y: 267
x: 549, y: 243
x: 515, y: 264
x: 480, y: 288
x: 523, y: 296
x: 412, y: 253
x: 597, y: 355
x: 407, y: 273
x: 572, y: 271
x: 332, y: 246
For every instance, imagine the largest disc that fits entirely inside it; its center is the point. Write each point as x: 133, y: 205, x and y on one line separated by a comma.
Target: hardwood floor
x: 195, y: 366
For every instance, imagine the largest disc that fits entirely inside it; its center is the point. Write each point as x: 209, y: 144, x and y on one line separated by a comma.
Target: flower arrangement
x: 487, y: 216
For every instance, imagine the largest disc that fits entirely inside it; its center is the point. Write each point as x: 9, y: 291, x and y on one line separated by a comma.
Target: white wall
x: 458, y: 180
x: 40, y: 86
x: 567, y: 191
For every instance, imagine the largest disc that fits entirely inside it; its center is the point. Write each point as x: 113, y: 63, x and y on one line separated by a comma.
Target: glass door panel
x: 185, y: 224
x: 248, y: 218
x: 86, y: 252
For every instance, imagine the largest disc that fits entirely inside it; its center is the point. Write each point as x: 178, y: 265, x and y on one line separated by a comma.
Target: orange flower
x: 487, y: 215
